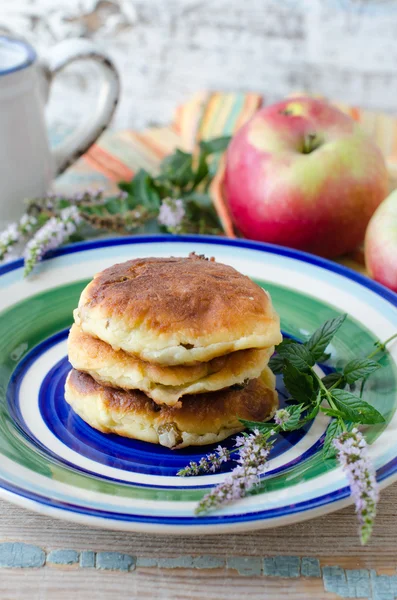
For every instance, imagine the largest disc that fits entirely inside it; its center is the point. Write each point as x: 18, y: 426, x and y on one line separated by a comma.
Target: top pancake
x: 177, y: 310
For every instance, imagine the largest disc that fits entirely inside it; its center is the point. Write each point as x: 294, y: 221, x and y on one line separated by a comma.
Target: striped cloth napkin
x: 118, y: 155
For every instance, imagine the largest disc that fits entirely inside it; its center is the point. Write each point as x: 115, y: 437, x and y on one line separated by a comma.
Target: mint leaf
x: 313, y: 413
x: 125, y: 186
x: 322, y: 337
x: 355, y: 409
x: 297, y: 354
x: 201, y: 171
x: 144, y: 191
x: 332, y: 378
x: 324, y: 357
x: 299, y: 384
x: 359, y: 368
x: 333, y: 431
x: 261, y: 426
x: 177, y: 169
x: 330, y: 412
x: 293, y: 421
x: 201, y: 214
x: 113, y: 206
x: 216, y: 145
x: 276, y: 364
x: 286, y: 342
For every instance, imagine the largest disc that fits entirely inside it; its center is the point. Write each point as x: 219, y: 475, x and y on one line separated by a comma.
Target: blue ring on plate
x: 383, y: 473
x: 110, y: 449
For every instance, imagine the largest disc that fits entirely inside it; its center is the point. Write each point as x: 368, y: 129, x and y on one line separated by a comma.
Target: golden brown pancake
x: 173, y: 311
x: 201, y: 420
x: 165, y: 385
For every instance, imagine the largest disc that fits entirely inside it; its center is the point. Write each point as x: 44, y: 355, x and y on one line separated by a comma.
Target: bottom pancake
x: 202, y: 419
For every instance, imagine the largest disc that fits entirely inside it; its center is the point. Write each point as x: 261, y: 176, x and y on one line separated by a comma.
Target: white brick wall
x: 167, y: 49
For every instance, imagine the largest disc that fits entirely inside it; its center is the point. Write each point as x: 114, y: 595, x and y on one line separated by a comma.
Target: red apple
x: 381, y: 243
x: 303, y: 174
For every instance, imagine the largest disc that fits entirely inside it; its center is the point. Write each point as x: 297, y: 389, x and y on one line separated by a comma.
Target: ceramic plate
x: 52, y: 462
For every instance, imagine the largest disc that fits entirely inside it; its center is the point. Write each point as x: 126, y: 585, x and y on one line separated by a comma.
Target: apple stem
x: 310, y: 143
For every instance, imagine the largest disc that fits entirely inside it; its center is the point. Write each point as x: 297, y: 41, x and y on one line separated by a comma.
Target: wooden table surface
x: 231, y: 565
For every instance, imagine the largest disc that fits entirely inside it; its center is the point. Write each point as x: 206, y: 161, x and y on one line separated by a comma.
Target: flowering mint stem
x: 352, y: 452
x: 55, y: 232
x: 207, y: 464
x: 252, y: 462
x: 15, y: 233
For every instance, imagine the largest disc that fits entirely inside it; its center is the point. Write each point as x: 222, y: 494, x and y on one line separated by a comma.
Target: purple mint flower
x: 223, y: 454
x: 353, y: 457
x: 253, y: 452
x: 26, y: 224
x: 54, y: 233
x: 14, y: 233
x: 8, y: 238
x: 207, y: 464
x: 171, y: 214
x: 281, y: 416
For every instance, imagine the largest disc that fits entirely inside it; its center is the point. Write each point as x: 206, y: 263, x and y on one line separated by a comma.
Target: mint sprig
x: 174, y: 200
x: 313, y: 394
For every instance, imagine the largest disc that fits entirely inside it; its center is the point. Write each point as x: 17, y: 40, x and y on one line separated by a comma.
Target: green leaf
x: 63, y: 203
x: 322, y: 336
x: 201, y: 171
x: 299, y: 384
x: 286, y: 342
x: 276, y: 364
x: 359, y: 368
x: 178, y: 168
x: 215, y: 145
x: 94, y: 210
x: 113, y: 206
x: 313, y: 413
x: 330, y: 412
x: 125, y: 186
x: 200, y: 200
x: 324, y: 357
x: 355, y: 409
x: 202, y: 218
x: 297, y: 354
x: 333, y: 431
x: 144, y: 191
x: 263, y: 427
x: 293, y: 421
x: 332, y: 378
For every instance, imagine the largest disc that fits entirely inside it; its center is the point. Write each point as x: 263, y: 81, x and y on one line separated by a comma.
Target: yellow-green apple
x: 381, y: 243
x: 303, y: 174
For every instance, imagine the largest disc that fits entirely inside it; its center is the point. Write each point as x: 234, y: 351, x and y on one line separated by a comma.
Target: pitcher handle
x: 78, y: 142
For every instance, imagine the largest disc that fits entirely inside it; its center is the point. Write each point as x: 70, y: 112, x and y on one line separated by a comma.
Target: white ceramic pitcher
x: 27, y: 165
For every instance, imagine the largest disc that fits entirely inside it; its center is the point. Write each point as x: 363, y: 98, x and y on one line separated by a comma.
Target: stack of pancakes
x: 172, y: 351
